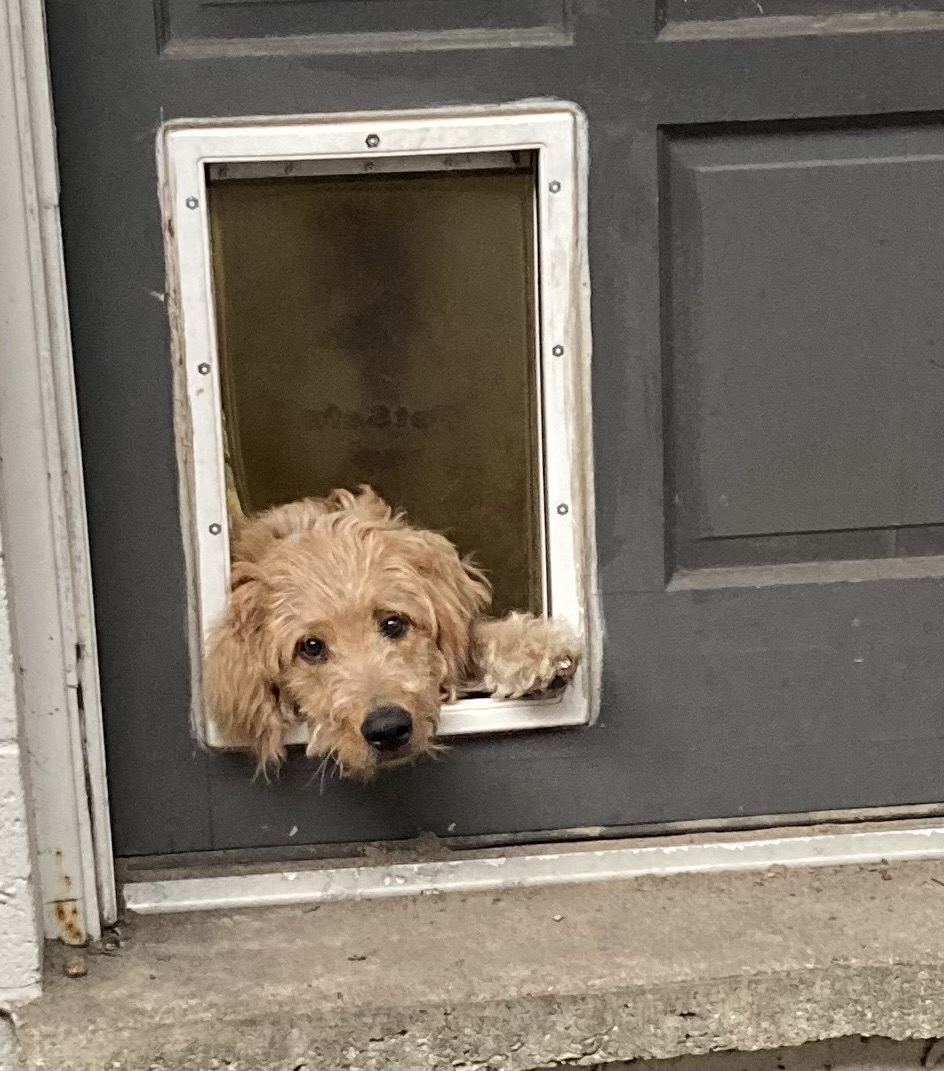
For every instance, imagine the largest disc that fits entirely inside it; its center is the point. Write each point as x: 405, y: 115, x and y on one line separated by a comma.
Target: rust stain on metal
x: 70, y: 925
x: 66, y: 909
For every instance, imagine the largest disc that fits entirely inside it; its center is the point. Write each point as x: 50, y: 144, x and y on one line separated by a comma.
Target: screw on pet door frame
x: 563, y: 509
x: 192, y: 202
x: 215, y: 529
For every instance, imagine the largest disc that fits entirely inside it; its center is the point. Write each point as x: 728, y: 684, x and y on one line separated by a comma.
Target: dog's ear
x: 240, y: 672
x: 456, y: 592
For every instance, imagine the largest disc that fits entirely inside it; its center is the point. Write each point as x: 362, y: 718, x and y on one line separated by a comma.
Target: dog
x: 343, y: 616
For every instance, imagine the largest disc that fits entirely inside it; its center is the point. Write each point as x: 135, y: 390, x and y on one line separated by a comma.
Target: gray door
x: 767, y: 260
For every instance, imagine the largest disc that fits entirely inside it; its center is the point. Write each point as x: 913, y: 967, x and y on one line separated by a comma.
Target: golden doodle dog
x: 343, y: 616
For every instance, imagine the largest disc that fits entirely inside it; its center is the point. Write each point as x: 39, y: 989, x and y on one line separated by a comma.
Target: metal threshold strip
x: 529, y: 870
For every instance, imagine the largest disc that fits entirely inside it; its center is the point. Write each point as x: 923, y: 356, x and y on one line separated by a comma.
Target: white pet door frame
x: 191, y: 151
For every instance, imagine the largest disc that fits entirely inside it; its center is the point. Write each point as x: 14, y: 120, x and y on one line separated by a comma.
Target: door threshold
x: 529, y: 868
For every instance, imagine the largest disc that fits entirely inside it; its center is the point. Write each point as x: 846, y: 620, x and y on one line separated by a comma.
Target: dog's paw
x: 524, y: 655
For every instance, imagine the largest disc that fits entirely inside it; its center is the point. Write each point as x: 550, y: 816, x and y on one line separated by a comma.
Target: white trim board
x: 192, y: 151
x: 42, y: 499
x: 531, y: 869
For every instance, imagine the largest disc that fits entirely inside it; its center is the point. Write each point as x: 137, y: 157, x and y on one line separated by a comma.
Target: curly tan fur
x: 338, y: 569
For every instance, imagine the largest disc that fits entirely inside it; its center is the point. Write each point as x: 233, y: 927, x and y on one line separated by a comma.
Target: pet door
x: 399, y: 301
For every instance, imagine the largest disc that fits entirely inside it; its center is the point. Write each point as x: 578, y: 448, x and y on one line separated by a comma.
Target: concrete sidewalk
x: 649, y: 968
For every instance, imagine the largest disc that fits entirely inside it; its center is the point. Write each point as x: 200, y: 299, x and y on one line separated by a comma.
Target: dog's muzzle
x: 387, y: 729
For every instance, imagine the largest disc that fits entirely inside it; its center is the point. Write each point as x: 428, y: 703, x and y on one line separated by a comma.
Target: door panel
x: 804, y: 388
x: 258, y: 24
x: 767, y: 337
x: 680, y: 12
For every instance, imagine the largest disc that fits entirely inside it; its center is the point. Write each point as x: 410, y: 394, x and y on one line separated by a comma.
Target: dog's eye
x: 393, y: 626
x: 311, y: 649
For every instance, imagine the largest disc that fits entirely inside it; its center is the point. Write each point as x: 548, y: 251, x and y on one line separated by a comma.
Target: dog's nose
x: 387, y: 728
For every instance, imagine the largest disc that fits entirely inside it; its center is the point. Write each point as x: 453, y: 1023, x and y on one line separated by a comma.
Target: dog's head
x: 356, y: 624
